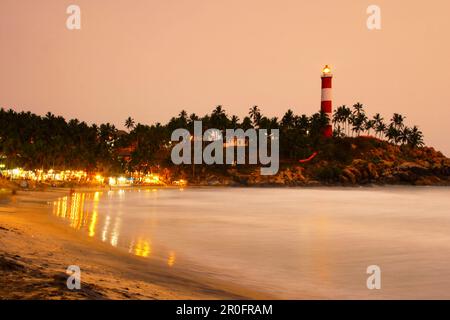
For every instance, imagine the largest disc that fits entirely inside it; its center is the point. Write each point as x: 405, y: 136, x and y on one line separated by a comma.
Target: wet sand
x: 35, y: 252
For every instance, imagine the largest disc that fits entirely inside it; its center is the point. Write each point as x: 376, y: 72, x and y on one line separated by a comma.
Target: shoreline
x: 12, y: 188
x: 35, y: 252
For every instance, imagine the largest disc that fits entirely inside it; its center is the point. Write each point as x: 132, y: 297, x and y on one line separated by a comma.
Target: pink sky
x: 149, y: 59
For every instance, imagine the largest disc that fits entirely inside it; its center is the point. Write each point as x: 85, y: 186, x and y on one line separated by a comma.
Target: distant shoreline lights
x: 80, y: 176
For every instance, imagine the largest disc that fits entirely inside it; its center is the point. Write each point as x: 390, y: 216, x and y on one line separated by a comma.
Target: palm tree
x: 302, y: 124
x: 264, y: 123
x: 369, y: 125
x: 218, y: 111
x: 342, y: 116
x: 182, y: 120
x: 338, y: 116
x: 255, y: 115
x: 129, y: 123
x: 246, y: 123
x: 288, y: 119
x: 380, y: 127
x: 193, y: 117
x: 273, y: 123
x: 219, y: 118
x: 49, y: 116
x: 338, y: 131
x: 183, y: 115
x: 392, y: 133
x: 359, y: 108
x: 318, y: 122
x: 234, y: 121
x: 397, y: 120
x: 358, y: 120
x: 346, y: 116
x: 415, y: 137
x: 404, y: 134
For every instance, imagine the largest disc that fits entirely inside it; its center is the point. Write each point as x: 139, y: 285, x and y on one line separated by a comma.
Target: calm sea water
x: 291, y: 243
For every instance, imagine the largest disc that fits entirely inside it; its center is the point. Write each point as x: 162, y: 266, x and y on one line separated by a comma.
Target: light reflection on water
x: 290, y: 243
x: 81, y: 211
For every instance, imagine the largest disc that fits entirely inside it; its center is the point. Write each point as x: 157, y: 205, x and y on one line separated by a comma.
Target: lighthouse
x: 327, y: 98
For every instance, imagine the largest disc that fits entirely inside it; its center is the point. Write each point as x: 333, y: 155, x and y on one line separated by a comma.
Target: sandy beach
x: 35, y: 252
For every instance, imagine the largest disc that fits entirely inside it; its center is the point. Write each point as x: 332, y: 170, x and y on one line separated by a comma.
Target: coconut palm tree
x: 129, y: 123
x: 338, y: 131
x: 273, y: 123
x: 288, y: 120
x: 219, y: 118
x: 415, y: 137
x: 397, y: 120
x: 369, y: 125
x: 380, y: 127
x: 246, y: 123
x: 193, y: 117
x: 183, y: 114
x: 358, y: 108
x: 338, y: 116
x: 182, y: 120
x: 404, y: 134
x: 346, y: 114
x: 392, y: 133
x: 318, y: 122
x: 255, y: 115
x: 302, y: 124
x: 358, y: 120
x: 234, y: 121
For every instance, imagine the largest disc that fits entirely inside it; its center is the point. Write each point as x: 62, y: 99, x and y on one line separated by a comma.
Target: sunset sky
x: 149, y: 59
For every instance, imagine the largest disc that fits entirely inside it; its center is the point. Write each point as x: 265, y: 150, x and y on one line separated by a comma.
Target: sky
x: 149, y: 59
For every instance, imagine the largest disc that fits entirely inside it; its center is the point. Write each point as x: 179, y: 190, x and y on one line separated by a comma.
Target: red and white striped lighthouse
x: 327, y: 98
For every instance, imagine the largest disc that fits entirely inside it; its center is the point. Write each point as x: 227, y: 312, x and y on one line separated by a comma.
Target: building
x: 327, y: 98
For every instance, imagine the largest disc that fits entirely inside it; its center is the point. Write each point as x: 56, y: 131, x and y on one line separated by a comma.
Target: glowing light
x: 53, y: 175
x: 105, y: 229
x: 97, y: 197
x: 41, y: 175
x: 171, y: 259
x: 99, y: 178
x: 115, y: 233
x: 326, y: 70
x: 180, y: 182
x: 152, y: 179
x: 142, y: 248
x: 120, y: 181
x: 93, y: 223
